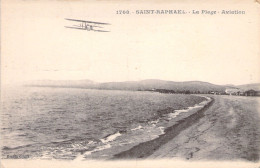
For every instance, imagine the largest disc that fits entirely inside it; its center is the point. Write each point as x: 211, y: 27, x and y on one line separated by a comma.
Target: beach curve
x: 145, y: 149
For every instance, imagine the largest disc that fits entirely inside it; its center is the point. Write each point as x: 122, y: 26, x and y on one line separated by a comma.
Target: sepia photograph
x: 130, y: 84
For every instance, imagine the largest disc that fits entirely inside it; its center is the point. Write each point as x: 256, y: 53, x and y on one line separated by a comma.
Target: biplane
x: 88, y: 25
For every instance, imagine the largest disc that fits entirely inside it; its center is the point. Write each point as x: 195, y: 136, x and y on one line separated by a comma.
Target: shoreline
x: 147, y: 148
x: 173, y: 118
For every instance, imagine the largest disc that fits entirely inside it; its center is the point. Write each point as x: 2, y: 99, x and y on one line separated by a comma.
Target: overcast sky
x: 221, y: 49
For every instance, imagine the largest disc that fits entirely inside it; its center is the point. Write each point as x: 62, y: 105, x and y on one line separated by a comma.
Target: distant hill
x: 160, y: 84
x: 230, y: 86
x: 254, y: 86
x: 133, y: 85
x: 61, y: 83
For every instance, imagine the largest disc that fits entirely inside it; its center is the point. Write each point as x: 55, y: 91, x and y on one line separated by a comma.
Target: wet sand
x: 226, y: 129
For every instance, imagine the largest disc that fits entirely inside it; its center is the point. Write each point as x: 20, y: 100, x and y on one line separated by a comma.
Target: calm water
x: 63, y: 123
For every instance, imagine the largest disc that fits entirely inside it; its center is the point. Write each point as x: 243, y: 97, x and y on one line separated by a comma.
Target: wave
x: 17, y: 147
x: 175, y: 113
x: 111, y: 137
x: 99, y: 148
x: 137, y: 128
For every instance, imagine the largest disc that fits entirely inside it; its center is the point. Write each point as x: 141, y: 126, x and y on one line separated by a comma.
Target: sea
x: 73, y: 123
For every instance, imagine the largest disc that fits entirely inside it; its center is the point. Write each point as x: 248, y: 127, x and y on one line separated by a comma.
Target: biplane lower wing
x: 85, y: 29
x: 101, y: 31
x: 85, y: 21
x: 74, y: 27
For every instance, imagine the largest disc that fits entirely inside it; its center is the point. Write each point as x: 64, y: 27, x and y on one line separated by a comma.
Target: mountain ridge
x: 147, y: 84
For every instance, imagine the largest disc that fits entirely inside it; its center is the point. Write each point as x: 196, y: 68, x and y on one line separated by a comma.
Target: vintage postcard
x: 130, y: 83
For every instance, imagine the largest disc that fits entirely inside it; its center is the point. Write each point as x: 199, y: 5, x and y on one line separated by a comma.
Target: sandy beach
x: 226, y: 129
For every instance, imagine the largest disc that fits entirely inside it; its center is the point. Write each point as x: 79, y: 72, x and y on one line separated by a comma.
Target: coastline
x: 173, y: 152
x: 145, y: 149
x: 163, y: 124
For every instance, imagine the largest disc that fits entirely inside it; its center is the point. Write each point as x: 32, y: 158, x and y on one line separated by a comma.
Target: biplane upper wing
x: 87, y: 21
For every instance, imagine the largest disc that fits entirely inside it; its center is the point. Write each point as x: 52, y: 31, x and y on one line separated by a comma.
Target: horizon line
x: 129, y: 81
